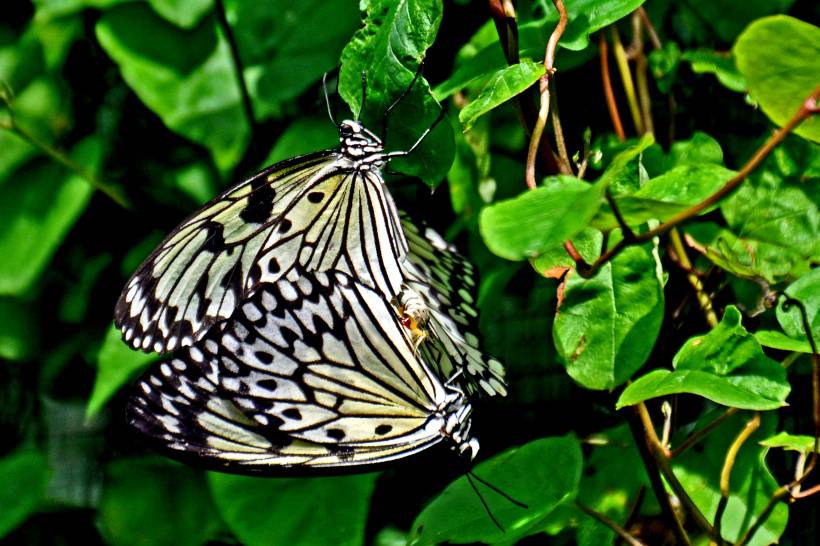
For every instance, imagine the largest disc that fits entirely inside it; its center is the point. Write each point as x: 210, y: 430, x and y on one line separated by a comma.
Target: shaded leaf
x: 37, y: 211
x: 148, y: 502
x: 750, y: 486
x: 501, y: 87
x: 706, y: 61
x: 457, y: 516
x: 339, y: 503
x: 186, y: 77
x: 779, y: 340
x: 727, y: 366
x: 286, y: 46
x: 19, y: 331
x: 778, y: 57
x: 301, y: 137
x: 24, y: 475
x: 117, y: 365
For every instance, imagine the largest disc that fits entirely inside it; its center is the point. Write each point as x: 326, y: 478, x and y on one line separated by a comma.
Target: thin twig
x: 620, y: 531
x: 609, y: 94
x: 666, y: 410
x: 626, y: 231
x: 504, y: 17
x: 59, y: 156
x: 703, y: 298
x: 544, y: 87
x: 728, y: 463
x: 565, y: 165
x: 808, y: 108
x: 661, y: 458
x: 640, y: 433
x: 650, y: 30
x: 700, y: 434
x: 239, y: 66
x: 641, y: 70
x: 626, y: 79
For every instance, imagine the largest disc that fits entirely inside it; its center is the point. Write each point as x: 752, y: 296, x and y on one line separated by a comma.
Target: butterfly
x: 326, y: 211
x: 438, y: 299
x: 314, y: 371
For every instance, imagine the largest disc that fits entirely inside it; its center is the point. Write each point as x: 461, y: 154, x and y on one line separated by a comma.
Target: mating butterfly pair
x: 313, y: 325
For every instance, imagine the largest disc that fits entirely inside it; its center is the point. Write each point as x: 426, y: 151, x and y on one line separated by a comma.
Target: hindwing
x: 312, y: 371
x: 446, y: 282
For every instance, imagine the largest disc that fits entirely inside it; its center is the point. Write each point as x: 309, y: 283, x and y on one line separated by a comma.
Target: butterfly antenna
x: 399, y: 99
x: 419, y: 141
x: 484, y: 502
x: 327, y: 99
x: 498, y: 490
x: 364, y: 95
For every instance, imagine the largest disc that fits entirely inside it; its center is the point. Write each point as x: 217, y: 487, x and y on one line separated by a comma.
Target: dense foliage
x: 657, y: 328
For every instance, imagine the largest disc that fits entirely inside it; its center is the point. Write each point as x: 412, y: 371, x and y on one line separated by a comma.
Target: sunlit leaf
x: 388, y: 51
x: 184, y: 14
x: 726, y: 366
x: 501, y: 87
x: 806, y: 290
x: 457, y: 515
x: 777, y: 56
x: 705, y: 61
x: 795, y: 442
x: 607, y: 325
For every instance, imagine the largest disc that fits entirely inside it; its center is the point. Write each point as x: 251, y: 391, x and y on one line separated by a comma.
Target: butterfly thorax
x: 455, y: 414
x: 363, y: 148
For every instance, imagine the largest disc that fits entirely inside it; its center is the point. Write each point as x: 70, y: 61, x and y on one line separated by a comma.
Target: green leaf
x: 727, y: 366
x: 19, y: 332
x: 728, y: 19
x: 117, y: 364
x: 794, y: 442
x: 780, y: 202
x: 286, y: 46
x: 457, y: 515
x: 153, y: 502
x: 706, y: 61
x: 296, y: 510
x: 607, y: 325
x: 778, y: 340
x: 666, y: 195
x: 24, y: 475
x: 780, y: 58
x: 502, y: 86
x: 48, y: 10
x: 806, y: 290
x: 745, y: 257
x: 750, y: 486
x: 37, y: 210
x: 540, y: 219
x: 554, y: 262
x: 584, y: 17
x: 186, y: 77
x: 183, y: 13
x: 388, y: 50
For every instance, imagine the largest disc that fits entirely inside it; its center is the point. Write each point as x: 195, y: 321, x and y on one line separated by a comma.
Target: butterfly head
x: 456, y: 413
x: 360, y: 144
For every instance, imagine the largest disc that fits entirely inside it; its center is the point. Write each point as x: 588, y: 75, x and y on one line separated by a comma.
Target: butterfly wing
x: 316, y: 210
x: 446, y: 281
x: 313, y: 371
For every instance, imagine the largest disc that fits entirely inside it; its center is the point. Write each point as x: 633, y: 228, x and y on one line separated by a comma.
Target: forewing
x: 313, y: 371
x: 308, y: 211
x: 446, y: 281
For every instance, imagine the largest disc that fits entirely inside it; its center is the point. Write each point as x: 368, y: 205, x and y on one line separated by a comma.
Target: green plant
x: 648, y: 259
